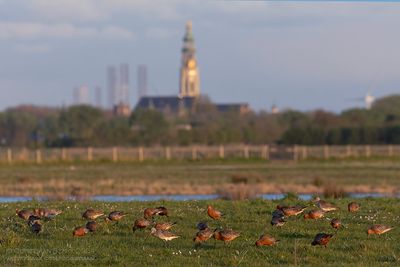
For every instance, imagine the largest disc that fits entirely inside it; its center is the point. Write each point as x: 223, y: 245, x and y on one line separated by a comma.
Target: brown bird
x: 24, y: 214
x: 203, y: 235
x: 91, y: 226
x: 80, y: 231
x: 162, y: 211
x: 38, y: 212
x: 213, y: 213
x: 115, y: 216
x: 266, y: 240
x: 226, y: 235
x: 46, y: 213
x: 51, y: 213
x: 336, y: 223
x: 322, y: 239
x: 140, y: 224
x: 36, y: 227
x: 163, y: 235
x: 378, y: 229
x: 150, y: 212
x: 314, y: 214
x: 164, y: 226
x: 325, y: 206
x: 353, y: 207
x: 92, y: 214
x: 277, y: 221
x: 291, y: 210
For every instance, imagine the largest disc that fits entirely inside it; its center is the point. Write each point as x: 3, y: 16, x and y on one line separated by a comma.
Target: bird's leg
x: 146, y: 237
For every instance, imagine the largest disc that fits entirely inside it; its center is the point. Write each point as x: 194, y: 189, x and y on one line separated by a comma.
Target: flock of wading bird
x: 36, y: 217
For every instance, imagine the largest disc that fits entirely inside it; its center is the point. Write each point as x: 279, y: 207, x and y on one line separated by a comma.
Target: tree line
x: 30, y: 126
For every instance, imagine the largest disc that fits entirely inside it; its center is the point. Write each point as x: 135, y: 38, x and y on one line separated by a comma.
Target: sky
x: 302, y: 55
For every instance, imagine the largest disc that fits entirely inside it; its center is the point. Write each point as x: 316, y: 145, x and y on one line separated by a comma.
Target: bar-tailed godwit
x: 92, y: 214
x: 322, y: 239
x: 266, y: 240
x: 353, y: 207
x: 378, y: 229
x: 213, y: 213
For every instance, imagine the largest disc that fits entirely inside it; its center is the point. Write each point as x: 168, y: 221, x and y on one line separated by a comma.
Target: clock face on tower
x: 192, y: 64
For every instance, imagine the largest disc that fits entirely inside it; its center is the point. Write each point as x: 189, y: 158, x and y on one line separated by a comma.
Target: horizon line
x: 327, y: 1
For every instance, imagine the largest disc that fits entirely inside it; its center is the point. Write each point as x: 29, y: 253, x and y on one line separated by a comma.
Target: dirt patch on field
x: 59, y: 188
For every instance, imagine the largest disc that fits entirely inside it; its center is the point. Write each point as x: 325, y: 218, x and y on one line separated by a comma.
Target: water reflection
x: 116, y: 198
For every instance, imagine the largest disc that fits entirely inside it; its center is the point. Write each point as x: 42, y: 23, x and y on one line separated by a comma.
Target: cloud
x: 31, y: 30
x: 70, y: 10
x: 160, y: 33
x: 102, y: 10
x: 116, y: 32
x: 32, y: 48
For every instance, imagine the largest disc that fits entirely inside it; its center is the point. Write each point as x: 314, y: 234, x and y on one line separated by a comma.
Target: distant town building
x: 118, y: 89
x: 81, y: 95
x: 166, y: 104
x: 241, y: 108
x: 122, y: 109
x: 123, y: 90
x: 112, y: 86
x: 142, y: 81
x: 189, y: 74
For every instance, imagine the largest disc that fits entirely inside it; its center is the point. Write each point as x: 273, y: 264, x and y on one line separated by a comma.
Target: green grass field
x: 117, y: 245
x: 196, y: 177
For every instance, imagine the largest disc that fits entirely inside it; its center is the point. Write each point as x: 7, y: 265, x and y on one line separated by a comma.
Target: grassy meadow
x: 116, y: 244
x: 205, y: 177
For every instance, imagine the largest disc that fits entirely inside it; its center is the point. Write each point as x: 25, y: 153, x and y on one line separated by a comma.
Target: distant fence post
x: 246, y: 152
x: 390, y: 151
x: 141, y: 154
x: 267, y: 152
x: 63, y: 154
x: 24, y: 154
x: 194, y: 153
x: 168, y: 153
x: 348, y: 151
x: 367, y: 151
x: 89, y: 154
x: 304, y: 152
x: 114, y: 154
x: 9, y: 155
x: 38, y: 156
x: 264, y: 152
x: 221, y: 152
x: 295, y: 152
x: 326, y: 152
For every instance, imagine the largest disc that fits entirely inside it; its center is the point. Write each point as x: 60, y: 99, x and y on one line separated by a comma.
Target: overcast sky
x: 303, y: 55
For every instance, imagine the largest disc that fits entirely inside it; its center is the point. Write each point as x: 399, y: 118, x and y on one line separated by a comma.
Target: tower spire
x: 189, y: 74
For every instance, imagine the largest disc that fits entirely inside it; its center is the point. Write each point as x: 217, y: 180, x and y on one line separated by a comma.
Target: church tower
x: 189, y: 75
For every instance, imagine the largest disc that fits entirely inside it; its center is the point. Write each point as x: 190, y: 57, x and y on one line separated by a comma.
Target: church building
x: 189, y: 85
